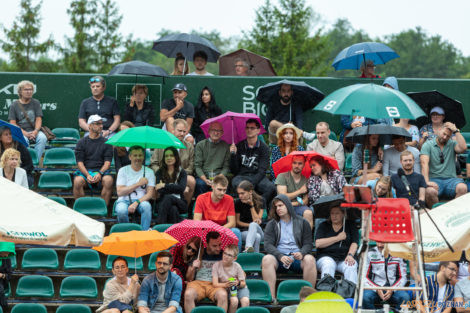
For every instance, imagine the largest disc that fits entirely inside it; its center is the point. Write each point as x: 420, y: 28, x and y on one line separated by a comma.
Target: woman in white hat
x: 287, y: 141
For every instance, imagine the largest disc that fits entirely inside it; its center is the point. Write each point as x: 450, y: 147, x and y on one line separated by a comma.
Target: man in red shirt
x: 218, y: 207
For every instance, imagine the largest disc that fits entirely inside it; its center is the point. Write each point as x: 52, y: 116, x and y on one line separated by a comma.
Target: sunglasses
x: 191, y: 249
x: 441, y: 157
x: 95, y: 80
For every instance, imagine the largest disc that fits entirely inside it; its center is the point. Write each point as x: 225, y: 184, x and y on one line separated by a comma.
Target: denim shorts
x: 447, y: 186
x: 294, y: 267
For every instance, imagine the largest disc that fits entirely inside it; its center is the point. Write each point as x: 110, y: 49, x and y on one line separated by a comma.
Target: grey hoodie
x: 301, y: 229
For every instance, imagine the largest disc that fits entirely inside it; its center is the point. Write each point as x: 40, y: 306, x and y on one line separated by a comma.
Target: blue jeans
x: 201, y: 187
x: 253, y: 236
x: 397, y: 298
x: 40, y: 145
x: 238, y: 233
x: 144, y: 208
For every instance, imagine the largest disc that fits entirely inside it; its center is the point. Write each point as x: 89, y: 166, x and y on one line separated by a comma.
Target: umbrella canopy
x: 284, y: 164
x: 7, y: 247
x: 187, y: 229
x: 233, y: 125
x: 138, y: 68
x: 453, y: 219
x: 372, y: 101
x: 29, y: 218
x: 16, y: 132
x: 322, y: 206
x: 303, y: 93
x: 429, y: 99
x: 324, y: 302
x: 136, y: 243
x: 186, y: 44
x: 385, y: 132
x: 352, y: 57
x: 147, y: 137
x: 258, y: 65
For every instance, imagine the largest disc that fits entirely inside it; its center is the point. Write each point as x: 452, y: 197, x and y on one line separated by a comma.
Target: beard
x: 286, y: 99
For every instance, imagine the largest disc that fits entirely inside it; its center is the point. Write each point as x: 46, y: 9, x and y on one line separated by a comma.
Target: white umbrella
x: 453, y: 219
x: 26, y: 217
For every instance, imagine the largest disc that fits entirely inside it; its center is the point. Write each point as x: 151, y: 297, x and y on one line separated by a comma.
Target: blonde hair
x: 140, y: 87
x: 22, y: 84
x: 233, y: 248
x: 8, y: 154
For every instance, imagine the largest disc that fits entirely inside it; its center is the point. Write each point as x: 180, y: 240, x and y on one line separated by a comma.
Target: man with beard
x: 392, y: 156
x: 283, y: 111
x: 294, y: 185
x: 416, y: 180
x: 438, y: 164
x: 161, y: 291
x: 200, y: 62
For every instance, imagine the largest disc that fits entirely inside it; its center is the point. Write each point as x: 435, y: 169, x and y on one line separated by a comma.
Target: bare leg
x: 190, y: 296
x: 431, y: 196
x: 309, y: 268
x: 460, y: 190
x: 78, y: 185
x: 233, y: 305
x: 245, y: 301
x: 221, y: 298
x: 268, y: 269
x: 169, y: 124
x: 308, y: 215
x: 107, y: 191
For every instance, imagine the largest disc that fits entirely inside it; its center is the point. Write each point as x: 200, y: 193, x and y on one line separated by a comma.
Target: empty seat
x: 35, y: 286
x: 78, y: 287
x: 250, y: 262
x: 13, y: 261
x: 82, y: 259
x: 65, y: 135
x: 58, y: 200
x: 55, y: 180
x: 207, y: 309
x: 35, y: 258
x: 252, y: 309
x: 124, y: 227
x: 259, y: 290
x: 7, y: 291
x: 161, y: 227
x: 288, y: 290
x: 34, y: 156
x: 59, y: 157
x: 73, y: 308
x: 93, y: 206
x: 134, y: 264
x: 29, y: 308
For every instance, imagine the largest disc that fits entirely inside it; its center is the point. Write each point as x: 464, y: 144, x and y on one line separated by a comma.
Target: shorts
x: 242, y: 293
x: 98, y: 185
x: 447, y: 186
x: 300, y: 209
x: 294, y: 267
x: 204, y: 289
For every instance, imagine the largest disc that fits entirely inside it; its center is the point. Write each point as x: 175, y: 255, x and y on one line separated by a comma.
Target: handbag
x: 46, y: 130
x: 345, y: 288
x: 326, y: 283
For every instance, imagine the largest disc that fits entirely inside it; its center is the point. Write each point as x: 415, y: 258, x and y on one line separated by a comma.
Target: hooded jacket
x: 301, y: 230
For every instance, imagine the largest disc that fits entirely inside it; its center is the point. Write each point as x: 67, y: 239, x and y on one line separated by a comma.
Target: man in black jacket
x: 249, y: 161
x: 288, y: 243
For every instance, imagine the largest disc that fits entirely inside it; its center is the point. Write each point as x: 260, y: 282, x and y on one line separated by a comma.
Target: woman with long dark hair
x: 206, y: 108
x: 249, y: 209
x: 179, y: 65
x: 324, y: 181
x: 171, y: 181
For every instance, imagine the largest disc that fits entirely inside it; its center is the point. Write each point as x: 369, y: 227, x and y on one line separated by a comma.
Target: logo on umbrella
x: 329, y: 105
x: 393, y: 112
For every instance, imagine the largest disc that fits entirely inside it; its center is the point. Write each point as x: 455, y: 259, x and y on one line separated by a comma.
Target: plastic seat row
x: 40, y: 308
x: 216, y: 309
x: 39, y: 286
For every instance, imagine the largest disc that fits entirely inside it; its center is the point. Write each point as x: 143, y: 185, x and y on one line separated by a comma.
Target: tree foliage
x: 109, y: 40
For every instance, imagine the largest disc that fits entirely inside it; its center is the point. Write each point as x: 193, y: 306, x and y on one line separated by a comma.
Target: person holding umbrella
x: 6, y: 249
x: 183, y: 255
x: 180, y: 64
x: 138, y: 111
x: 324, y: 181
x: 241, y: 67
x: 200, y: 62
x: 368, y: 70
x: 206, y: 108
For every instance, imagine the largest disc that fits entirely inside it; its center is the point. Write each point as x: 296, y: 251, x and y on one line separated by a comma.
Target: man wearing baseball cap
x: 93, y: 160
x: 430, y: 131
x: 176, y: 108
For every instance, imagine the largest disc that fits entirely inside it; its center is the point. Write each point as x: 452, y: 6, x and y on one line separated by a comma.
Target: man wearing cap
x: 438, y: 164
x: 106, y: 107
x: 283, y: 111
x: 430, y: 131
x: 200, y: 62
x: 391, y: 159
x: 177, y: 107
x: 93, y: 160
x: 324, y: 145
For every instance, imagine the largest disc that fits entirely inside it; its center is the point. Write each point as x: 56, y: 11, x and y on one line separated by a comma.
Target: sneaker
x: 275, y: 301
x: 250, y: 249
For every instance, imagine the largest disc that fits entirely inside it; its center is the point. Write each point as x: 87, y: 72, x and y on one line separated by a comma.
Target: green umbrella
x: 147, y: 137
x: 7, y: 247
x: 372, y: 101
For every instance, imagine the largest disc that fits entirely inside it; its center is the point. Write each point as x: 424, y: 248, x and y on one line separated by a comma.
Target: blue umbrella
x: 138, y: 68
x: 16, y: 132
x: 353, y: 56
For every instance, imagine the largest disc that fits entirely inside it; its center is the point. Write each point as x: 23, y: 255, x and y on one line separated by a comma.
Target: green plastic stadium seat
x: 152, y: 259
x: 207, y: 309
x: 124, y: 227
x: 7, y: 291
x: 35, y: 286
x: 13, y: 261
x: 161, y: 227
x: 55, y: 180
x: 134, y: 264
x: 250, y: 262
x: 252, y: 309
x: 78, y: 287
x: 93, y: 206
x: 58, y: 200
x: 259, y: 290
x: 35, y: 258
x: 288, y: 290
x: 65, y: 136
x: 333, y: 136
x: 34, y: 156
x: 73, y: 308
x: 435, y: 205
x: 82, y: 259
x: 59, y: 157
x: 29, y: 308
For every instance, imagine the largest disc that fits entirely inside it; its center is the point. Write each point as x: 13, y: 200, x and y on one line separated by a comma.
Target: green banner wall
x: 61, y: 94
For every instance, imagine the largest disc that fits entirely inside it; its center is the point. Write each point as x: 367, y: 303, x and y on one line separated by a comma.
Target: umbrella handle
x: 233, y: 141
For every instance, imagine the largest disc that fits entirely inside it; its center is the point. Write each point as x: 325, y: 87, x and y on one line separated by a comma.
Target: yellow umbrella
x: 324, y: 302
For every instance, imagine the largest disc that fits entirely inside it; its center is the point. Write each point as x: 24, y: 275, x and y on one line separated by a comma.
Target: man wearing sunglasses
x: 438, y: 164
x: 104, y: 106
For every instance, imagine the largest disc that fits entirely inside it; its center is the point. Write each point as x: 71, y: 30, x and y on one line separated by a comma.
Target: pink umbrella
x: 187, y: 229
x: 233, y: 125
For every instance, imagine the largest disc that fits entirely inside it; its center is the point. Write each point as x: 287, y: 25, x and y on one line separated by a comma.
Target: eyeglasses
x: 251, y: 128
x: 441, y: 157
x: 95, y: 80
x: 229, y: 255
x: 191, y: 248
x: 452, y: 269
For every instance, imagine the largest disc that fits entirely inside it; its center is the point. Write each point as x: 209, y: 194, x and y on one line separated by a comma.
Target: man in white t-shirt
x: 135, y: 184
x: 200, y: 62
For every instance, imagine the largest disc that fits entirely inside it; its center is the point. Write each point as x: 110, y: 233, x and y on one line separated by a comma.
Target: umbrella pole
x: 365, y: 164
x: 344, y: 226
x: 184, y: 66
x: 233, y: 141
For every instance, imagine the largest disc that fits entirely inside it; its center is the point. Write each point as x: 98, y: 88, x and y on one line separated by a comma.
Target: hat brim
x: 297, y: 131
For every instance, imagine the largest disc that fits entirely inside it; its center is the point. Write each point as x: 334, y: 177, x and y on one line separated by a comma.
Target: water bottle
x: 233, y: 289
x: 292, y: 258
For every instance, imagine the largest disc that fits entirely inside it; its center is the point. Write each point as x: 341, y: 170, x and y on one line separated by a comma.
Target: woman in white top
x: 10, y: 167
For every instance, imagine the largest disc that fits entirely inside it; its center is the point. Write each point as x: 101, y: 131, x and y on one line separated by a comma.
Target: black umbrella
x: 186, y: 44
x: 429, y: 99
x: 324, y: 204
x: 138, y: 68
x: 304, y: 94
x: 385, y: 132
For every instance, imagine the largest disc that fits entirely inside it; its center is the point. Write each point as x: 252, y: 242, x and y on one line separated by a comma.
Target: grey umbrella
x: 138, y: 68
x: 385, y: 132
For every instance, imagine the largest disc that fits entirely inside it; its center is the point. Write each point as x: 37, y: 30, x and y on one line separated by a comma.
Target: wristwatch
x: 457, y: 131
x: 351, y: 254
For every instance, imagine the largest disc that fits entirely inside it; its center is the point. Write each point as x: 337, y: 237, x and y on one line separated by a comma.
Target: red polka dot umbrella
x: 187, y: 229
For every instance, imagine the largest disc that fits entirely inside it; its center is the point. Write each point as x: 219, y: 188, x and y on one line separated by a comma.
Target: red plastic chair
x: 391, y: 221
